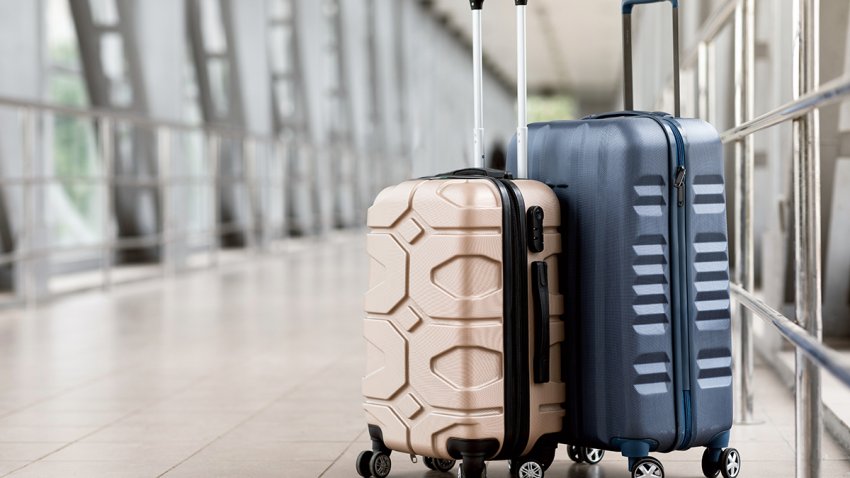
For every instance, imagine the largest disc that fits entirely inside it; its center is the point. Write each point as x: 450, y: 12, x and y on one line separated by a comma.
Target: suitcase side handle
x: 627, y: 53
x: 540, y: 293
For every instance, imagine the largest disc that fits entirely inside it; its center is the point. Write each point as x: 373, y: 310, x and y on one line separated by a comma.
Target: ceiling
x: 574, y: 45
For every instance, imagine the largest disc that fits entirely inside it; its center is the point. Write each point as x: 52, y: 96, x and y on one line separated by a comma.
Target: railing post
x: 253, y: 196
x: 105, y: 145
x: 744, y: 200
x: 282, y: 161
x: 26, y: 248
x: 167, y: 241
x: 807, y: 232
x: 214, y: 161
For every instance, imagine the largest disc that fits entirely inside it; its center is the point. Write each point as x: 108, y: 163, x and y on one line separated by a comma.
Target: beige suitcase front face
x: 434, y: 326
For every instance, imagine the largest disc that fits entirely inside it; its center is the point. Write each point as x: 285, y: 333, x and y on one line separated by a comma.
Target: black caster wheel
x: 574, y: 452
x: 472, y: 470
x: 591, y: 455
x: 711, y: 462
x: 439, y: 464
x: 380, y: 465
x: 546, y: 458
x: 526, y: 469
x: 362, y: 463
x: 730, y: 463
x: 429, y: 462
x: 648, y: 468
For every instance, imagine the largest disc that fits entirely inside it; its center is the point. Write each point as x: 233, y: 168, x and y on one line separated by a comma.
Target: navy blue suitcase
x: 645, y: 276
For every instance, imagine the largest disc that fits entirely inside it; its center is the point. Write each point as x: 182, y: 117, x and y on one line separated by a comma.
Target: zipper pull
x: 679, y: 184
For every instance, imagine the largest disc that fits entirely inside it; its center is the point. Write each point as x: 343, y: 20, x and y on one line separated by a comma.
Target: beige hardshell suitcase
x: 463, y: 329
x: 463, y: 325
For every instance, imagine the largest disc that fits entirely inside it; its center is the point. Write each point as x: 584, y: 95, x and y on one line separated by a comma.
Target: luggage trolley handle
x: 628, y: 5
x: 477, y: 82
x: 522, y: 91
x: 478, y: 90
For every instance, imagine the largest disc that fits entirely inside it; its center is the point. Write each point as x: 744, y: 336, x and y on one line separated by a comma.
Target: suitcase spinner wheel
x: 373, y: 464
x: 581, y: 454
x: 438, y: 464
x: 380, y: 465
x: 647, y: 467
x: 362, y: 463
x: 574, y: 452
x: 591, y: 456
x: 472, y: 468
x: 523, y: 468
x: 721, y: 462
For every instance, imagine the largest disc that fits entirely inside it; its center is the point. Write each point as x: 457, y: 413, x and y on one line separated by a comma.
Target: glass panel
x: 212, y: 27
x: 191, y: 193
x: 62, y: 50
x: 112, y: 55
x: 191, y: 91
x: 284, y: 98
x: 280, y: 9
x: 74, y: 214
x: 67, y: 89
x: 219, y: 72
x: 74, y: 147
x: 104, y: 12
x: 279, y: 46
x: 121, y: 92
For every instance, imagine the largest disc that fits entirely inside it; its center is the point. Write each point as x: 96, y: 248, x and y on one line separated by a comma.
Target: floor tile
x: 26, y: 451
x: 247, y: 371
x: 90, y: 469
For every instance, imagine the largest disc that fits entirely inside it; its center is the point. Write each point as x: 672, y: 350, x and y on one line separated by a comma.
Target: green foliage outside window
x: 550, y: 108
x: 73, y: 140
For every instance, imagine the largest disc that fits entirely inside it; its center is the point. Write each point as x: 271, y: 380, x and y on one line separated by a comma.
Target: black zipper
x: 681, y: 261
x: 516, y: 335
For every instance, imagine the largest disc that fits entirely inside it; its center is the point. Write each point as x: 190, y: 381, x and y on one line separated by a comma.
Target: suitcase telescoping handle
x: 477, y: 81
x: 522, y: 91
x: 627, y: 53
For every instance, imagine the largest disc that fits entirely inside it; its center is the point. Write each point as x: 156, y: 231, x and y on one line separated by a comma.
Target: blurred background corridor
x: 183, y: 190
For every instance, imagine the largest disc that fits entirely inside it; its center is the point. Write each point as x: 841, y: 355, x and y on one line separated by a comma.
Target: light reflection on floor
x: 249, y: 371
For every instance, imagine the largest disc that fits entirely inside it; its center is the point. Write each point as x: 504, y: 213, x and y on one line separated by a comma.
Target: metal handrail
x: 824, y: 356
x: 805, y: 332
x: 130, y: 117
x: 260, y: 237
x: 829, y: 93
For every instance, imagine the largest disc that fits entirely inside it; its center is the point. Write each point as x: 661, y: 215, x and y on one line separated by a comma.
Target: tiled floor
x: 249, y: 371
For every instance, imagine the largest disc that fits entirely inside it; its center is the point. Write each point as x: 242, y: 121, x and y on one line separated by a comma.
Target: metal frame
x: 744, y: 270
x: 347, y: 202
x: 478, y: 152
x: 522, y: 93
x: 32, y: 182
x: 811, y: 354
x: 294, y: 123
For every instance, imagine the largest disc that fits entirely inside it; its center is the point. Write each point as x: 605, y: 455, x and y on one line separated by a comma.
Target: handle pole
x: 477, y: 78
x: 628, y: 85
x: 522, y: 92
x: 677, y: 92
x: 628, y: 80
